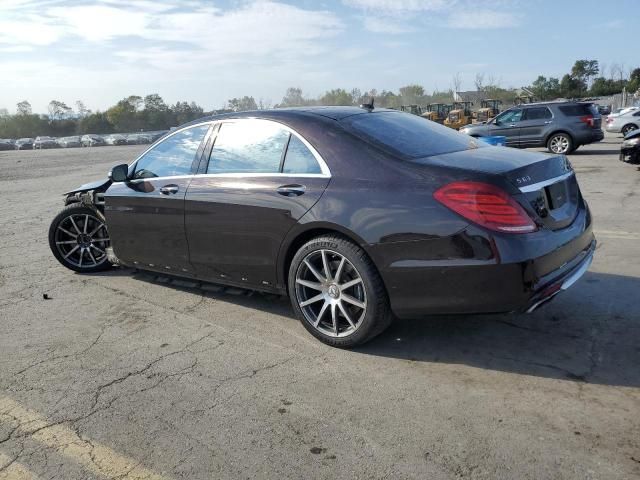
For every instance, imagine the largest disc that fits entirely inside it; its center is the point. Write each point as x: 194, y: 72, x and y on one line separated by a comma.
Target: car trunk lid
x: 545, y: 185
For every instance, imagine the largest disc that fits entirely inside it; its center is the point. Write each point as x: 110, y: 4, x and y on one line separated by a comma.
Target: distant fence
x: 619, y: 100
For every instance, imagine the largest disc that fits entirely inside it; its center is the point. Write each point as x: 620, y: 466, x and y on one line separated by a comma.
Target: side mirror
x: 119, y: 173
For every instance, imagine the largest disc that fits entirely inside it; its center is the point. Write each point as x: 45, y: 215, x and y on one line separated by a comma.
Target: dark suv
x: 560, y: 126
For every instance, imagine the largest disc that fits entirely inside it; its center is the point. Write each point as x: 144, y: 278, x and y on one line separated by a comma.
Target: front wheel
x: 337, y: 293
x: 560, y: 143
x: 79, y: 239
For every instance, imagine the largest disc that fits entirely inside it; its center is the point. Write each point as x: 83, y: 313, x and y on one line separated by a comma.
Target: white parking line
x: 93, y: 456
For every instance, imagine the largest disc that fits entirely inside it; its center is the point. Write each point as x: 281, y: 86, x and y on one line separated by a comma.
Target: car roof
x: 553, y: 102
x: 292, y: 113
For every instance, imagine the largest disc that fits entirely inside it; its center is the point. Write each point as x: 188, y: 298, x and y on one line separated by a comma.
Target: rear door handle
x: 169, y: 189
x: 292, y: 190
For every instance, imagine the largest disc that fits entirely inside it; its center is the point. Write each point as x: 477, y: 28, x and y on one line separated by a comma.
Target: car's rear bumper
x: 591, y: 136
x: 563, y: 279
x: 492, y: 275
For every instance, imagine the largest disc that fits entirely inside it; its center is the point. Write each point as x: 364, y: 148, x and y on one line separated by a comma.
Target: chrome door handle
x: 547, y: 123
x: 512, y: 125
x: 169, y: 189
x: 292, y: 190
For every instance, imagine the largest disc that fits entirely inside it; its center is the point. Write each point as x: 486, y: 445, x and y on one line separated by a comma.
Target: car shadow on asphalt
x: 588, y: 334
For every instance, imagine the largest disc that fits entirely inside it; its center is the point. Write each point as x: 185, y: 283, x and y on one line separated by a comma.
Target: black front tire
x: 377, y: 316
x: 67, y: 227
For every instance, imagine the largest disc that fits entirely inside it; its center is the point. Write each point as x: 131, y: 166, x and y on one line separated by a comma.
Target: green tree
x: 242, y: 104
x: 545, y: 89
x: 293, y: 98
x: 58, y: 110
x: 571, y: 87
x: 156, y: 114
x: 412, y: 94
x: 337, y: 96
x: 24, y: 108
x: 584, y: 71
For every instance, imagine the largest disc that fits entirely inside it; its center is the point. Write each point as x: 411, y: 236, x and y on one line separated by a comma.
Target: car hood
x: 97, y: 185
x: 632, y: 134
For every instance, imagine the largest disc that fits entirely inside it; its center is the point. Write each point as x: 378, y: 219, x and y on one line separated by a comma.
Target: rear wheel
x: 79, y: 239
x: 337, y: 292
x: 628, y: 128
x: 560, y: 143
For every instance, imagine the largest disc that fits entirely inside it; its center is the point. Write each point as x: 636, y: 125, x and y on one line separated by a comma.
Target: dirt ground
x: 129, y: 375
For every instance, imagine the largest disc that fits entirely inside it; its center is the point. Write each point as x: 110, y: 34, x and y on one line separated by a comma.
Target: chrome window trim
x: 537, y: 186
x: 162, y: 139
x: 324, y: 168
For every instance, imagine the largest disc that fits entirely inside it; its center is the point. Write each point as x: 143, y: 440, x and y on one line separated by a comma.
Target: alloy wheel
x: 330, y: 293
x: 82, y: 240
x: 559, y: 144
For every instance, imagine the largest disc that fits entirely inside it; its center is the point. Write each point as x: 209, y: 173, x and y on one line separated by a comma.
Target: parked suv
x: 560, y: 126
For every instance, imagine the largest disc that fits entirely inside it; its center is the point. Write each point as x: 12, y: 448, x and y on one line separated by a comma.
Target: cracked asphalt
x: 129, y: 375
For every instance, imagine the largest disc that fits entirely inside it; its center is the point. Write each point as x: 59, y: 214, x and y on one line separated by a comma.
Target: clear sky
x: 209, y: 51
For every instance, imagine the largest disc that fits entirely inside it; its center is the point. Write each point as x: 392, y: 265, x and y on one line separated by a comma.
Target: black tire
x: 90, y: 251
x: 377, y: 314
x: 628, y: 128
x: 560, y: 138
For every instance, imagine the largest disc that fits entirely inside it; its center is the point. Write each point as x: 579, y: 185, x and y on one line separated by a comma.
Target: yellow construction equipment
x: 437, y: 112
x: 415, y: 109
x: 459, y: 116
x: 489, y: 108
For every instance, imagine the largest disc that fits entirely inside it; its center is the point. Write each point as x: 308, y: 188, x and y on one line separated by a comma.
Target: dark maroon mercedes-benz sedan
x: 358, y: 214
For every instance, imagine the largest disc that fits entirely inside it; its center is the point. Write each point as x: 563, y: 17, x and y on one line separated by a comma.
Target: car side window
x: 510, y: 116
x: 537, y: 113
x: 172, y: 156
x: 299, y: 158
x: 248, y: 146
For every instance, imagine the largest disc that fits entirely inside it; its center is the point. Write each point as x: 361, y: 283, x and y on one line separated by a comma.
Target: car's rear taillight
x: 588, y: 119
x: 486, y: 205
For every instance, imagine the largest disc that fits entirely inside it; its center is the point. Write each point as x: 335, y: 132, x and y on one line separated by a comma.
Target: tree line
x: 587, y: 78
x: 131, y: 114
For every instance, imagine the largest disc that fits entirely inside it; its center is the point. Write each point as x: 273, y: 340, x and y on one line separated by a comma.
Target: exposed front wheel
x: 79, y: 239
x: 560, y: 143
x: 337, y: 292
x: 628, y: 128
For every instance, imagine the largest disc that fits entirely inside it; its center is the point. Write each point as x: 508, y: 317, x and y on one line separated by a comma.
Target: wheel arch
x: 300, y: 236
x: 555, y: 132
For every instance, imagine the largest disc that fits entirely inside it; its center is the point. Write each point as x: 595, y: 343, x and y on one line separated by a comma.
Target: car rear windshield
x: 579, y: 109
x: 408, y: 135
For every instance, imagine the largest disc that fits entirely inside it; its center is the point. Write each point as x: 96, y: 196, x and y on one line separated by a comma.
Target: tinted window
x: 537, y: 113
x: 578, y: 110
x: 299, y: 158
x: 509, y: 116
x: 250, y: 146
x: 172, y: 156
x: 408, y: 135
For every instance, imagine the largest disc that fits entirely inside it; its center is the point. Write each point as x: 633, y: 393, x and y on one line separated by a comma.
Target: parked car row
x: 75, y: 141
